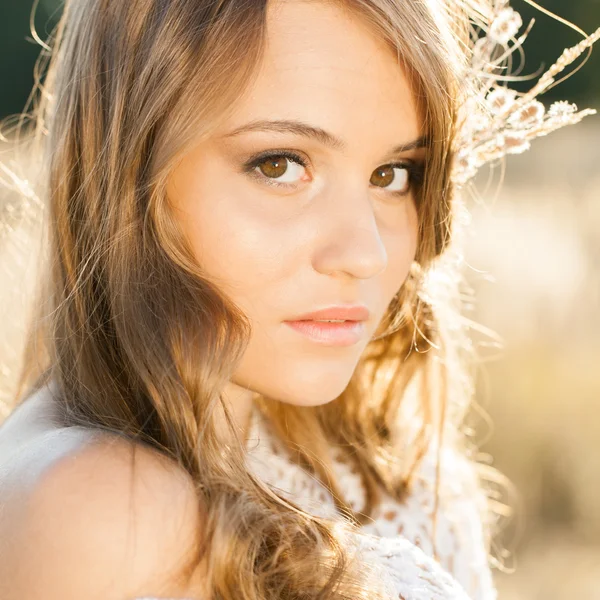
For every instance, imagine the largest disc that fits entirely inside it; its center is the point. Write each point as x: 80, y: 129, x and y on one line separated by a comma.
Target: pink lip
x: 348, y: 313
x: 333, y: 334
x: 330, y: 334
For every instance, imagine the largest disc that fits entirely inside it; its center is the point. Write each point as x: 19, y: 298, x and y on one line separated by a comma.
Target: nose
x: 349, y: 239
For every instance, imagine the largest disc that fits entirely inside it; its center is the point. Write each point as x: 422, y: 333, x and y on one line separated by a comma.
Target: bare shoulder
x: 101, y: 518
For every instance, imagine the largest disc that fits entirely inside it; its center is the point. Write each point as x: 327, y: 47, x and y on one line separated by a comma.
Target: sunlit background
x: 534, y: 261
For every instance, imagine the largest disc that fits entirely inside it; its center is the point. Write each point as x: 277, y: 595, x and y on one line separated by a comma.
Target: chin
x: 313, y: 391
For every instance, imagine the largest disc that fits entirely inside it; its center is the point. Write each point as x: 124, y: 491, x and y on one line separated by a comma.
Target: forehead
x: 324, y: 66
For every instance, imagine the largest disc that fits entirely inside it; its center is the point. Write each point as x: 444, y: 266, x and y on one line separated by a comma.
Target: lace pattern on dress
x: 400, y: 535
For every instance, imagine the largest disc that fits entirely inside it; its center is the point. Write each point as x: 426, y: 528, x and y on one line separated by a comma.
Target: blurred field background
x: 534, y: 253
x: 534, y: 263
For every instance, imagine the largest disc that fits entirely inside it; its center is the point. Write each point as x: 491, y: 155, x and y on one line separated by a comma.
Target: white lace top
x: 399, y: 539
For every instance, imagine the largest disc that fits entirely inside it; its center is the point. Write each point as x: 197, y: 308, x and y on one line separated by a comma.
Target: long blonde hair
x: 140, y: 344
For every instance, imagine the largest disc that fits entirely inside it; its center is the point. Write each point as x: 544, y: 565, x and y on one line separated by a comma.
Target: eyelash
x: 416, y: 170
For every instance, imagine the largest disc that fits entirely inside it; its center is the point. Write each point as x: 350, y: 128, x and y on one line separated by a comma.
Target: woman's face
x: 302, y: 199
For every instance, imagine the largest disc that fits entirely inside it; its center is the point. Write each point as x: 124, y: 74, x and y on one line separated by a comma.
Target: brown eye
x: 283, y: 169
x: 392, y: 178
x: 274, y: 167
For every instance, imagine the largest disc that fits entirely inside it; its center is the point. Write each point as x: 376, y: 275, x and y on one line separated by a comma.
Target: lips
x: 346, y: 329
x: 336, y: 313
x: 346, y: 333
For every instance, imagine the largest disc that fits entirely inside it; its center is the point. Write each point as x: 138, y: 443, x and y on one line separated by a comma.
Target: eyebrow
x: 316, y: 133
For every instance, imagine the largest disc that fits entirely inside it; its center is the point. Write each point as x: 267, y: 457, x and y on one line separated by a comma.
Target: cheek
x: 233, y: 247
x: 401, y: 245
x: 238, y: 242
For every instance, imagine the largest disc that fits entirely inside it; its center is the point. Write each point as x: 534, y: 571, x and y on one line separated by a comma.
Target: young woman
x: 247, y: 376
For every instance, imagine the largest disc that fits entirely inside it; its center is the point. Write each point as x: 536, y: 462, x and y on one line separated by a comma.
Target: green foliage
x: 18, y: 50
x: 549, y: 37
